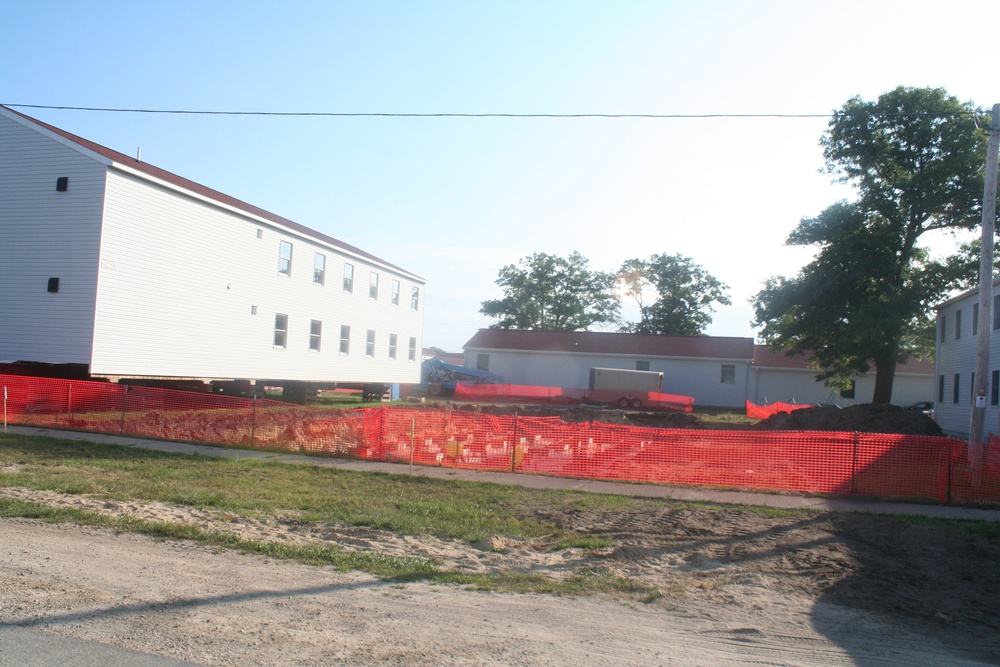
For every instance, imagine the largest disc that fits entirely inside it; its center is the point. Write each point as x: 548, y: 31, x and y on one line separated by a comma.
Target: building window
x: 975, y: 319
x: 415, y: 298
x: 996, y: 312
x: 285, y: 258
x: 955, y: 389
x: 994, y: 388
x: 944, y: 324
x: 280, y: 330
x: 253, y: 310
x: 373, y: 286
x: 392, y: 346
x: 319, y: 269
x: 370, y: 343
x: 849, y: 392
x: 958, y: 325
x: 413, y: 349
x: 348, y: 278
x: 482, y: 362
x: 728, y: 374
x: 315, y: 333
x: 642, y: 365
x: 345, y: 339
x: 395, y: 292
x: 260, y: 233
x: 972, y: 388
x: 940, y: 389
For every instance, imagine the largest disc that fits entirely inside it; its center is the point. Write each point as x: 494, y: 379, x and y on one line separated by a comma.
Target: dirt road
x: 738, y: 589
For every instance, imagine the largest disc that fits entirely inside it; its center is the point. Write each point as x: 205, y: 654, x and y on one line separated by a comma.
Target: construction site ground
x: 846, y: 582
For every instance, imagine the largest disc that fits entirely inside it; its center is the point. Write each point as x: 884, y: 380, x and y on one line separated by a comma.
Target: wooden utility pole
x: 985, y: 287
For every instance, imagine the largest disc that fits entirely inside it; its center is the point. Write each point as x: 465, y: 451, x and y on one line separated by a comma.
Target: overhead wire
x: 365, y: 114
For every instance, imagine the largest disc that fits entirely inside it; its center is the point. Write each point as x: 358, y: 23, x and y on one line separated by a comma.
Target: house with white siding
x: 712, y: 369
x: 717, y: 371
x: 776, y: 376
x: 957, y: 339
x: 135, y: 272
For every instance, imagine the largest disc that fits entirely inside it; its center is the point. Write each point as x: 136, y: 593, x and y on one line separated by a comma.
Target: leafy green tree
x: 916, y: 158
x: 684, y: 294
x: 553, y: 293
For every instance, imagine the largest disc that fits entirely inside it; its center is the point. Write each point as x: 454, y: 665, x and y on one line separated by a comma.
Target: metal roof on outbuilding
x: 594, y: 342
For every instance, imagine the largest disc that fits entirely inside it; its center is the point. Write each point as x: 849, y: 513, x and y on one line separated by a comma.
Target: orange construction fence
x: 519, y: 393
x: 881, y: 465
x: 765, y: 411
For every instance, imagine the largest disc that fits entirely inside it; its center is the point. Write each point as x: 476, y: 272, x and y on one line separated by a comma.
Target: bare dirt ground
x: 737, y: 587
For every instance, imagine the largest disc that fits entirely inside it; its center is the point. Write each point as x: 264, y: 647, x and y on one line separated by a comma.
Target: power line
x: 333, y: 114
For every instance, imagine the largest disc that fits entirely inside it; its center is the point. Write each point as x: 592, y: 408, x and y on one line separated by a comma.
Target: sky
x: 453, y: 200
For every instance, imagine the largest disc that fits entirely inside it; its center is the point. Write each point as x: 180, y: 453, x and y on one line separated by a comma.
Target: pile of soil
x: 865, y: 418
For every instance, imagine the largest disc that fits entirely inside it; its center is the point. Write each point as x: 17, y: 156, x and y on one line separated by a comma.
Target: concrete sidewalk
x: 540, y: 481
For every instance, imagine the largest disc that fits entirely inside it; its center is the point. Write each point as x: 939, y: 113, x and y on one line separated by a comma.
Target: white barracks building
x: 134, y: 272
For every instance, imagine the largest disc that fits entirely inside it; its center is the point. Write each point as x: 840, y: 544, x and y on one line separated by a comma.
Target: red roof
x: 197, y: 188
x: 593, y: 342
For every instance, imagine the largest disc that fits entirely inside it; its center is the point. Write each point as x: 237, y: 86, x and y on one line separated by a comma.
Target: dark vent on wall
x: 53, y: 284
x: 62, y: 184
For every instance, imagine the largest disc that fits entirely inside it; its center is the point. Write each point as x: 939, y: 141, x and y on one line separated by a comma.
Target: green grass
x: 466, y: 511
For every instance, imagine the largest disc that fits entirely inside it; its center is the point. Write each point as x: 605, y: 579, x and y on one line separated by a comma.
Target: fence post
x: 413, y: 429
x: 5, y: 408
x: 513, y: 452
x: 121, y: 429
x: 854, y: 461
x: 253, y: 418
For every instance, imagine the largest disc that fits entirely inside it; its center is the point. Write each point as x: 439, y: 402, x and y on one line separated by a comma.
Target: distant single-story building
x: 717, y: 371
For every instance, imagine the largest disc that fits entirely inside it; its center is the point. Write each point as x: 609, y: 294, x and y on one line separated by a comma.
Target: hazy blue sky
x: 455, y: 199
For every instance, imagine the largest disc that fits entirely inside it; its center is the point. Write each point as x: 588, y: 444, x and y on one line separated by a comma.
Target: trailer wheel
x: 623, y: 402
x: 636, y: 404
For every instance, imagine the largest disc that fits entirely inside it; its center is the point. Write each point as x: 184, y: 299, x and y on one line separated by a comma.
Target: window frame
x: 345, y: 339
x: 315, y: 335
x: 348, y: 278
x: 319, y: 269
x: 415, y: 298
x: 285, y: 261
x: 370, y: 343
x: 392, y: 346
x: 373, y: 286
x: 727, y: 374
x: 396, y: 288
x: 412, y: 353
x: 280, y: 331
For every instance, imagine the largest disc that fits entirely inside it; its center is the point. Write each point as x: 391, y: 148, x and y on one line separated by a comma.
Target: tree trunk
x: 885, y: 374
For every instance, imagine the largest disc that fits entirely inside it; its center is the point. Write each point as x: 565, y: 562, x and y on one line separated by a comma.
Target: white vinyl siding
x: 159, y: 287
x: 47, y: 234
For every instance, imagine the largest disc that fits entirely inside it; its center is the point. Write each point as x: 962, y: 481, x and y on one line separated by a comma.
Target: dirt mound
x: 865, y: 418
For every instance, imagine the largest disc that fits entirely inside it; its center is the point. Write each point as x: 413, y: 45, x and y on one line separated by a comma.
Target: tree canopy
x: 553, y: 293
x: 685, y: 294
x: 915, y: 157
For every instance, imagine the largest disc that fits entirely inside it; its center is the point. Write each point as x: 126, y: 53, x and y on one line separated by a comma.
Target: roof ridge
x: 217, y: 196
